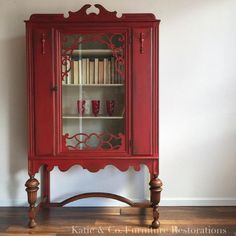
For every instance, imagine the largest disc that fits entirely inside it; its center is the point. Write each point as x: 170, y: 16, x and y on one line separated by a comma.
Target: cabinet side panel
x: 43, y: 102
x: 142, y: 92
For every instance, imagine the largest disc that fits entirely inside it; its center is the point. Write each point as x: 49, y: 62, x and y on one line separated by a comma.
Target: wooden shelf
x: 93, y: 85
x: 92, y: 52
x: 93, y: 117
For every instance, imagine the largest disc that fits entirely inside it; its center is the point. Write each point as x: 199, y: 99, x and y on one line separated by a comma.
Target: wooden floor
x: 120, y: 221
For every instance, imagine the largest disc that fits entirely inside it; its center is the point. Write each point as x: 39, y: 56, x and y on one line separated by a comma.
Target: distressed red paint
x: 46, y: 143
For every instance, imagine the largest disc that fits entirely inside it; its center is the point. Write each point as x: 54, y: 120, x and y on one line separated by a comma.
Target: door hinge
x: 130, y: 39
x: 130, y: 143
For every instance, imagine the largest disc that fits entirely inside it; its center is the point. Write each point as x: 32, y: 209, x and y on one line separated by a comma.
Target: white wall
x: 197, y: 105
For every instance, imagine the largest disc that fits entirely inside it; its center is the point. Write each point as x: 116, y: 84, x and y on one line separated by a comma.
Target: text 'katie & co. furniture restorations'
x: 92, y: 99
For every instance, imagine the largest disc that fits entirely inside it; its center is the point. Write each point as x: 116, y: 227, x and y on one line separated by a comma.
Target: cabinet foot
x: 31, y: 189
x: 155, y: 190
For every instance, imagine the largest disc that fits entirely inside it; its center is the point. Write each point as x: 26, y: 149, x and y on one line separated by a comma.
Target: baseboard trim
x: 113, y: 203
x: 198, y: 202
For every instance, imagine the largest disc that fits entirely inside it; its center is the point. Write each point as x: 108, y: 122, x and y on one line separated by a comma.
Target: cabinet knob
x: 54, y: 88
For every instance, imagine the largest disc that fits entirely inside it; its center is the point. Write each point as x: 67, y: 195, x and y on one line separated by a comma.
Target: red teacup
x: 81, y: 106
x: 110, y: 106
x: 95, y: 107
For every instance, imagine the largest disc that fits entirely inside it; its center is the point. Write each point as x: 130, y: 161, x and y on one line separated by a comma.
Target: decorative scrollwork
x: 43, y: 41
x: 66, y: 66
x: 109, y: 40
x: 82, y: 13
x: 93, y: 141
x: 141, y: 39
x: 94, y: 165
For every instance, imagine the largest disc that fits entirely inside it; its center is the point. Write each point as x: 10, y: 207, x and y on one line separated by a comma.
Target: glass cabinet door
x: 93, y: 92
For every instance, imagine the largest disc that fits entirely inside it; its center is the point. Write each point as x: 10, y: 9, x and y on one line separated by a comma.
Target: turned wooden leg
x: 31, y: 189
x: 155, y: 188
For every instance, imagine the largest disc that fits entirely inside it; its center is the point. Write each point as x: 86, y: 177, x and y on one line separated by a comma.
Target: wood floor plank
x: 27, y: 234
x: 119, y: 221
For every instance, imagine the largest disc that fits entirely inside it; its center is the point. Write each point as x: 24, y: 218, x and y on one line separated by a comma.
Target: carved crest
x: 82, y: 16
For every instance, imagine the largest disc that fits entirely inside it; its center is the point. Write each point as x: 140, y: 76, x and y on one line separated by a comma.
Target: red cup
x: 110, y: 106
x: 95, y: 107
x: 81, y: 106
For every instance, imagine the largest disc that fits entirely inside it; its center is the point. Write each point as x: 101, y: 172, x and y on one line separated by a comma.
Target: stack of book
x: 92, y: 71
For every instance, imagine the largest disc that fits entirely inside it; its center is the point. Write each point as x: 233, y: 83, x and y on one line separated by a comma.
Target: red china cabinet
x: 92, y: 99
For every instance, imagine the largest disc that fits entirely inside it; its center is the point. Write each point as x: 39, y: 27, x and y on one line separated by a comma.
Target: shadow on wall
x: 130, y: 184
x: 17, y: 113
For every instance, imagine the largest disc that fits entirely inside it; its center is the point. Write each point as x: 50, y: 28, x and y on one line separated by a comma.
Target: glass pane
x: 93, y: 92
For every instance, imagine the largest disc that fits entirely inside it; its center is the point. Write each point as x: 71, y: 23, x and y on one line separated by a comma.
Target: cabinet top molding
x: 82, y: 16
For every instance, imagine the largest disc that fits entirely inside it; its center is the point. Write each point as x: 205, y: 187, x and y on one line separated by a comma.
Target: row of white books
x: 92, y: 71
